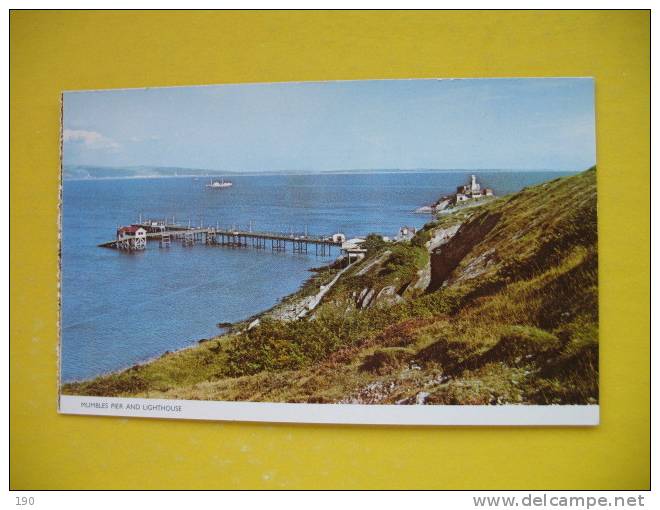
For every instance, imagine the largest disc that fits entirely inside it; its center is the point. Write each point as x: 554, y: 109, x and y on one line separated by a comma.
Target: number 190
x: 24, y: 500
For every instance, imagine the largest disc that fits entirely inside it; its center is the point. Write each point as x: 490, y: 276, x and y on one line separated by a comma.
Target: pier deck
x: 278, y: 241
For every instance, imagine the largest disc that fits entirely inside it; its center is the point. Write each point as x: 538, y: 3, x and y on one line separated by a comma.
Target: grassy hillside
x: 490, y: 305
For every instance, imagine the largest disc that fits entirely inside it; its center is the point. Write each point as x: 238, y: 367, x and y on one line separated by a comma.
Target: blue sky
x: 316, y: 126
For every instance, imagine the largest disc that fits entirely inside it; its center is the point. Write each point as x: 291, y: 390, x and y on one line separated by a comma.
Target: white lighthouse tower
x: 475, y: 187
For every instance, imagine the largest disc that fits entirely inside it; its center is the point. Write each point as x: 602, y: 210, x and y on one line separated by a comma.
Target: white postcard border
x: 346, y: 414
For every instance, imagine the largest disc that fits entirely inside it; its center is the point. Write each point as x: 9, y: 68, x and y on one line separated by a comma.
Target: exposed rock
x: 448, y: 256
x: 425, y: 209
x: 423, y: 278
x: 365, y: 300
x: 294, y: 309
x: 443, y: 204
x: 386, y: 291
x: 442, y: 236
x: 376, y: 261
x: 373, y: 393
x: 388, y: 296
x: 440, y: 205
x: 477, y: 266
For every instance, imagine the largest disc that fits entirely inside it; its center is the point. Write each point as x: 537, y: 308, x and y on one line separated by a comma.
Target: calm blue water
x: 119, y: 309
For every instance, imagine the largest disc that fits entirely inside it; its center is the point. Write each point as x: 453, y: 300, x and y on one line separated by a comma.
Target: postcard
x: 408, y: 252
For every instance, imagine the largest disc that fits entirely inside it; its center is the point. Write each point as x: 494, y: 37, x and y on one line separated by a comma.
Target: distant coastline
x: 92, y: 173
x: 139, y: 177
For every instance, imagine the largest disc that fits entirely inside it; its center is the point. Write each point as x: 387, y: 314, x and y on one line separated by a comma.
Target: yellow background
x: 55, y: 51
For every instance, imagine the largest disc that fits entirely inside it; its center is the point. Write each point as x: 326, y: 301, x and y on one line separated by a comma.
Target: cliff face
x: 531, y: 230
x: 447, y: 257
x: 489, y: 305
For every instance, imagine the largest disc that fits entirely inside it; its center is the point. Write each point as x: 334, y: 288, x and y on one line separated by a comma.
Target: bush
x: 373, y: 243
x: 421, y: 238
x: 522, y: 344
x: 453, y: 356
x: 404, y: 261
x: 278, y: 345
x: 386, y: 360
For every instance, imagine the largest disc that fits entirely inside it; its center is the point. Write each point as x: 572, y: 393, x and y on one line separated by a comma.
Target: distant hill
x: 132, y: 172
x: 100, y: 172
x: 496, y: 304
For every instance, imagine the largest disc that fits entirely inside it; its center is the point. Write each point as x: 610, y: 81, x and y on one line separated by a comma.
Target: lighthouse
x: 475, y: 187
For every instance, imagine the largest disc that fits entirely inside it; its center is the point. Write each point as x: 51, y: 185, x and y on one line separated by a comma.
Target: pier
x: 135, y: 237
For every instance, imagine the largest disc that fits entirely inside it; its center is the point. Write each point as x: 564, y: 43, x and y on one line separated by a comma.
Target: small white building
x: 338, y: 238
x: 353, y: 249
x: 133, y: 237
x: 406, y: 233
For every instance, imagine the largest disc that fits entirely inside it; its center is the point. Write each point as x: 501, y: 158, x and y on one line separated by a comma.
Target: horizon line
x: 314, y: 170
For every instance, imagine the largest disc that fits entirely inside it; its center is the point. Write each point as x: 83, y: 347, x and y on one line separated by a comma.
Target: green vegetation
x: 505, y: 311
x: 373, y: 243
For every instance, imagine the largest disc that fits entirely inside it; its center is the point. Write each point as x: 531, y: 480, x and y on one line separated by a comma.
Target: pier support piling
x: 165, y: 240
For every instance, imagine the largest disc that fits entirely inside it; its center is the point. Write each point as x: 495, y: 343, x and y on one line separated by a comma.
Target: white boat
x: 216, y: 184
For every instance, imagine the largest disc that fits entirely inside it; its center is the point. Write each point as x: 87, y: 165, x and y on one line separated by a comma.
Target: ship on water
x: 219, y: 184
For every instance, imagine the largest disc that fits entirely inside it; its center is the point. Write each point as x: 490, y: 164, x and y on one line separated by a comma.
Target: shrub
x: 373, y: 243
x: 421, y: 238
x: 278, y: 345
x: 453, y: 356
x: 404, y: 261
x: 523, y: 344
x: 400, y: 334
x: 386, y: 360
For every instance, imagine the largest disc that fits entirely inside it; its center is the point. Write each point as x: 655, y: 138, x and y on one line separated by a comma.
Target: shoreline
x: 242, y: 325
x: 230, y: 330
x: 393, y: 331
x: 284, y: 302
x: 279, y: 309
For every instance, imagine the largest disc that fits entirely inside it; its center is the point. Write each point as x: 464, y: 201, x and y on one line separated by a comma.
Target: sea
x: 119, y: 309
